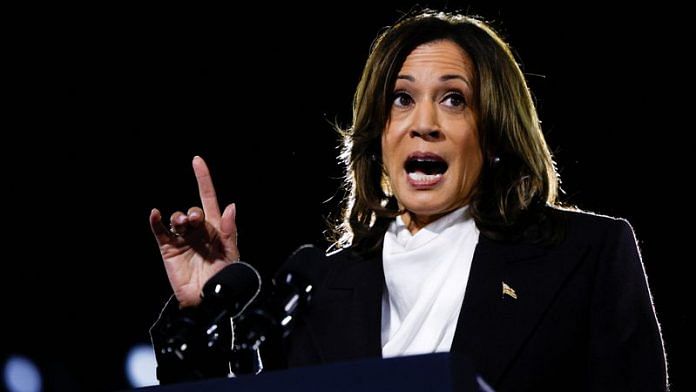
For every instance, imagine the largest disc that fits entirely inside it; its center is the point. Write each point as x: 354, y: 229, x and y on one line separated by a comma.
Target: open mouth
x: 425, y: 169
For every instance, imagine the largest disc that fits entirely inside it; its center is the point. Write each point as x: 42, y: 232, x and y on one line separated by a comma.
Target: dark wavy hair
x: 518, y: 179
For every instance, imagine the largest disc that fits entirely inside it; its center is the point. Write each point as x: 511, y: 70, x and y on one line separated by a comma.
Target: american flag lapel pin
x: 509, y: 291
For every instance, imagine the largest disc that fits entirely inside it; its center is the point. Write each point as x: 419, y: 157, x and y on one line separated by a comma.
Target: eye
x: 402, y: 99
x: 455, y: 100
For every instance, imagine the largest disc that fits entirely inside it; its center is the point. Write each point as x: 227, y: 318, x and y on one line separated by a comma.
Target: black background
x: 106, y: 106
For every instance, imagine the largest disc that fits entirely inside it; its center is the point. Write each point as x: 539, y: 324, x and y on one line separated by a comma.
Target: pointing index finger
x: 206, y: 191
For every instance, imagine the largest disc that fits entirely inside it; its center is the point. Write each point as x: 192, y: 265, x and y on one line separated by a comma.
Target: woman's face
x: 430, y: 145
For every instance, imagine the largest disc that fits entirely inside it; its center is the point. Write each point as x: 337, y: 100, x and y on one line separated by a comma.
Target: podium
x: 430, y: 372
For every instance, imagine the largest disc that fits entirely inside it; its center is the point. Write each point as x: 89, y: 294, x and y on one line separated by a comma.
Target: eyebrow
x: 443, y: 78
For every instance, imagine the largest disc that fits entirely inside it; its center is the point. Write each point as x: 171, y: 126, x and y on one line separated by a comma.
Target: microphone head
x: 232, y: 288
x: 307, y: 264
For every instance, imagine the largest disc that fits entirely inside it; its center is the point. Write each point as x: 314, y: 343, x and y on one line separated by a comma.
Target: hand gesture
x: 198, y: 243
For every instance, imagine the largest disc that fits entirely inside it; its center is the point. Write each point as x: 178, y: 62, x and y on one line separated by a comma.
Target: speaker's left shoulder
x: 586, y: 226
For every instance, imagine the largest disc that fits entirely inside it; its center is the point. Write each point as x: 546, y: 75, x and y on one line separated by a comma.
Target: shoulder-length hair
x: 518, y: 177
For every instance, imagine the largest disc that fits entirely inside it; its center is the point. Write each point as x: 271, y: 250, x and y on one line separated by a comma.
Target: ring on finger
x: 172, y: 230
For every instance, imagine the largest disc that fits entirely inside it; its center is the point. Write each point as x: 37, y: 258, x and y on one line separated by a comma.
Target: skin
x: 199, y: 243
x: 432, y: 113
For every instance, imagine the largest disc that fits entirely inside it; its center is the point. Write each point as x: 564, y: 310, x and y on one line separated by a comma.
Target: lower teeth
x: 422, y: 177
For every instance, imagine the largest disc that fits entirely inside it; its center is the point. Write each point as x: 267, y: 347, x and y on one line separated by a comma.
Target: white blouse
x: 425, y: 276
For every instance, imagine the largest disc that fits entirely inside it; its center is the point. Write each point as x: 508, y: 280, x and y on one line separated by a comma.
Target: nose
x: 425, y: 123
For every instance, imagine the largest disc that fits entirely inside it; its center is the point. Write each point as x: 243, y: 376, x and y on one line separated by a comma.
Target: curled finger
x: 195, y: 216
x: 178, y: 223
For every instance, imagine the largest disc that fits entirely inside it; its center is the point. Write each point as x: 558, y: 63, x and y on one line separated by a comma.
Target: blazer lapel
x: 354, y: 290
x: 493, y: 325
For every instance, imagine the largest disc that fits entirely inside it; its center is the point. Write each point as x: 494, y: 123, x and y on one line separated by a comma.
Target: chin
x: 427, y: 207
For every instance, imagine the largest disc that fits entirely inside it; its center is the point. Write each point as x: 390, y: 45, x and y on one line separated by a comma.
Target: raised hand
x: 198, y: 243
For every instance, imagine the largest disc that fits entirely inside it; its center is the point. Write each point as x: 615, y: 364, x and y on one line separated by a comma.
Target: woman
x: 452, y: 239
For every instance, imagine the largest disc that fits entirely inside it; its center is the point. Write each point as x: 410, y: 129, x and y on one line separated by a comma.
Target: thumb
x: 228, y: 232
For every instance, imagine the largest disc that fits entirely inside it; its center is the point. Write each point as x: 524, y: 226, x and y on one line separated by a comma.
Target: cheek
x: 473, y: 166
x: 471, y: 158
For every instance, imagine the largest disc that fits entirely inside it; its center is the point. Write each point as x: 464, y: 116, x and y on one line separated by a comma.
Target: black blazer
x: 583, y: 319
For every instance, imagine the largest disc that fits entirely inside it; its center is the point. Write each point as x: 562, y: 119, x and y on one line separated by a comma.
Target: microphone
x: 202, y: 332
x: 231, y: 290
x: 293, y: 286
